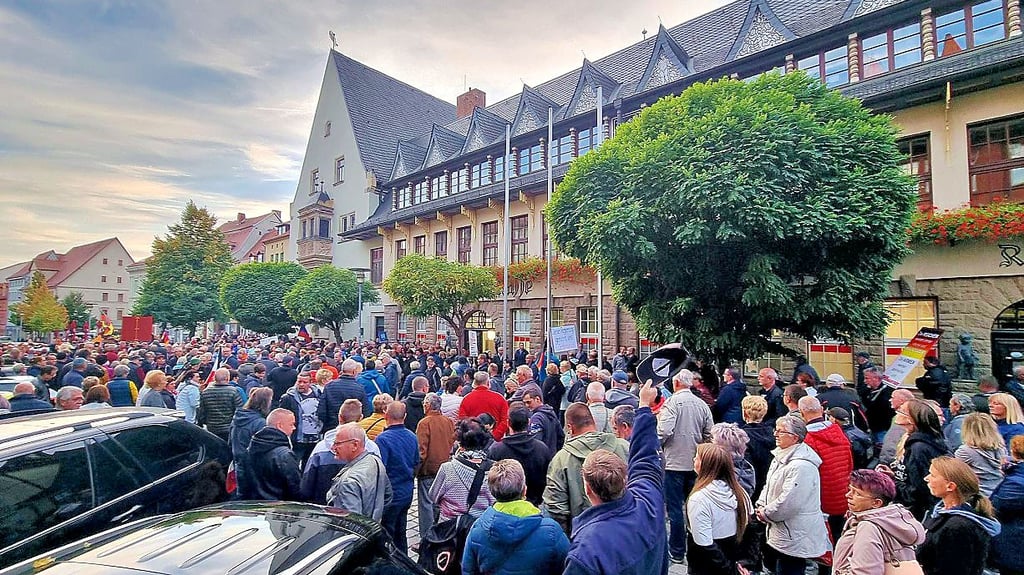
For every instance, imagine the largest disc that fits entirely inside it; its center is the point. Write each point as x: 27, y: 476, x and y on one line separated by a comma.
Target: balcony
x: 314, y: 251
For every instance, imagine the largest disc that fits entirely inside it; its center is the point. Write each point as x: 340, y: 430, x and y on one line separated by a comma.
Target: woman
x: 761, y: 439
x: 451, y: 400
x: 156, y: 383
x: 701, y: 391
x: 791, y: 500
x: 922, y: 443
x: 734, y: 441
x: 983, y: 450
x: 716, y: 512
x: 960, y: 406
x: 188, y: 394
x: 553, y: 390
x: 1006, y: 411
x: 877, y: 532
x: 375, y: 423
x: 962, y: 524
x: 1008, y: 501
x: 247, y: 420
x: 806, y: 381
x: 98, y: 396
x: 450, y: 488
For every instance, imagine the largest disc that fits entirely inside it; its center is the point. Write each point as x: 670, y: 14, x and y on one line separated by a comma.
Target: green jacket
x: 563, y: 494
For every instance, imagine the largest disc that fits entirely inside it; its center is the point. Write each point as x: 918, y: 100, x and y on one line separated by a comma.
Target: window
x: 464, y: 238
x: 104, y: 296
x: 460, y: 180
x: 104, y: 261
x: 403, y: 197
x: 120, y: 297
x: 918, y: 165
x: 520, y: 237
x: 419, y: 192
x: 403, y: 325
x: 339, y: 170
x: 521, y: 324
x: 401, y: 248
x: 828, y: 356
x: 906, y: 317
x: 561, y: 150
x: 120, y: 279
x: 587, y: 140
x: 120, y: 314
x: 997, y: 161
x: 160, y: 450
x: 588, y: 327
x: 969, y: 27
x: 557, y: 317
x: 490, y: 237
x: 480, y: 175
x: 891, y: 50
x: 499, y: 168
x: 421, y: 325
x: 530, y: 159
x: 120, y: 262
x: 437, y: 187
x: 325, y: 228
x: 314, y: 182
x: 419, y: 245
x: 441, y: 244
x: 347, y: 221
x: 376, y: 265
x: 752, y: 366
x: 831, y: 67
x: 103, y: 279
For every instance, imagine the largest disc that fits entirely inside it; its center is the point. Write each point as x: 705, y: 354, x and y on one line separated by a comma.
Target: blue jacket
x: 367, y: 380
x: 1009, y: 430
x: 121, y: 393
x: 73, y: 378
x: 400, y: 453
x: 513, y: 538
x: 728, y: 406
x: 335, y: 394
x: 1007, y: 553
x: 626, y: 536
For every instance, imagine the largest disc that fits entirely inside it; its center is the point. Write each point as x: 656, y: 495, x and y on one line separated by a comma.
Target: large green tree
x: 40, y: 312
x: 740, y: 208
x: 183, y: 275
x: 433, y: 286
x: 252, y: 294
x: 329, y: 297
x: 78, y: 310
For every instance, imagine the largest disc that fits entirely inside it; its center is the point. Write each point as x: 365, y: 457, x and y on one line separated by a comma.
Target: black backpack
x: 442, y: 546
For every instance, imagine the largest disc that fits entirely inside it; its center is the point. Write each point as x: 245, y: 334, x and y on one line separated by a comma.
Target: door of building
x: 1008, y: 342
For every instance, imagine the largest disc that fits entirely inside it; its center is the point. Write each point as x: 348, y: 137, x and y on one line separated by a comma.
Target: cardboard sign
x: 912, y: 355
x: 564, y: 338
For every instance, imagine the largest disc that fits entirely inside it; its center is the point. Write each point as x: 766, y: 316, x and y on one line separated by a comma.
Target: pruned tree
x: 329, y: 297
x: 740, y: 208
x: 433, y: 286
x: 253, y: 293
x: 40, y: 312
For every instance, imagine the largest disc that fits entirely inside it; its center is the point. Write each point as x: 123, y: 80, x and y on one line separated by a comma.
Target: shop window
x: 906, y: 317
x: 403, y: 326
x: 588, y: 327
x: 828, y: 356
x: 917, y: 163
x: 997, y: 161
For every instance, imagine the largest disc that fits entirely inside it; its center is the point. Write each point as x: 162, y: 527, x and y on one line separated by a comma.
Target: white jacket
x: 711, y: 513
x: 791, y: 500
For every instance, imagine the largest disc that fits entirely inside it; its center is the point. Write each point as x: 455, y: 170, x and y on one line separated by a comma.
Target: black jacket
x: 280, y: 379
x: 335, y: 394
x: 759, y: 452
x: 860, y: 444
x: 414, y: 409
x: 911, y: 490
x: 553, y: 391
x: 954, y: 545
x: 847, y: 399
x: 274, y: 470
x: 879, y: 412
x: 936, y: 384
x: 534, y: 457
x: 217, y: 406
x: 776, y: 406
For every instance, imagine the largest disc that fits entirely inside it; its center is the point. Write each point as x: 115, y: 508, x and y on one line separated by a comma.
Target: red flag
x: 304, y: 334
x: 73, y: 327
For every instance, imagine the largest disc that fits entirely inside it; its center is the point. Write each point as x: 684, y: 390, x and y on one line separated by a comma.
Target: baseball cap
x: 839, y: 414
x: 835, y: 379
x: 620, y: 376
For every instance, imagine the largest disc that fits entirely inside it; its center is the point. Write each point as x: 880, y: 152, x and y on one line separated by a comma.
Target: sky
x: 115, y: 113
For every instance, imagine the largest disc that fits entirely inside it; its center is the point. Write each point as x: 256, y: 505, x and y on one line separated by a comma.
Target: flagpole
x: 550, y: 300
x: 598, y: 140
x: 505, y: 245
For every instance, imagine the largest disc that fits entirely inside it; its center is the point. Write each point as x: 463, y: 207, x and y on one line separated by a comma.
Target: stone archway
x: 1008, y: 341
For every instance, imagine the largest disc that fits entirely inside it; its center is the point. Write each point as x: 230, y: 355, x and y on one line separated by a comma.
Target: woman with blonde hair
x: 375, y: 423
x: 158, y: 395
x: 982, y: 450
x: 761, y: 439
x: 717, y: 513
x: 322, y: 377
x: 960, y: 526
x: 1006, y: 411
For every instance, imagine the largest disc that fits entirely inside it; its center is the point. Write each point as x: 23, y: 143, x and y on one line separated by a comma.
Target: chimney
x: 241, y: 217
x: 465, y: 103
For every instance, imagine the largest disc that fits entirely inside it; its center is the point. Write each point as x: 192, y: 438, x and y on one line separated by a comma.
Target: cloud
x: 270, y: 162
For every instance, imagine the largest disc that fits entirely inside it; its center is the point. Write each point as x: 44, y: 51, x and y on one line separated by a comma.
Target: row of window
x: 119, y: 262
x: 103, y: 279
x: 317, y: 227
x: 316, y: 185
x: 105, y: 296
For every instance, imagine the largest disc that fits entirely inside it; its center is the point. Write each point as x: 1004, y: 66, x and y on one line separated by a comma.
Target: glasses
x: 343, y: 442
x: 782, y: 431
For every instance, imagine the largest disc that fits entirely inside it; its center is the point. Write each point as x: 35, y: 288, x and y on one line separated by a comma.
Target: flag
x: 104, y: 326
x: 304, y: 334
x: 73, y: 327
x: 213, y: 370
x: 165, y: 338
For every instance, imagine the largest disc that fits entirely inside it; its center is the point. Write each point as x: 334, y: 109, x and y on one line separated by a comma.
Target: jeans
x: 394, y: 522
x: 426, y: 506
x: 678, y: 485
x: 788, y: 565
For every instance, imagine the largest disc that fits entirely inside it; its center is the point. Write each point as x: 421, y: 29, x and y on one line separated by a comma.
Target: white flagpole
x: 551, y: 186
x: 505, y: 244
x: 598, y: 140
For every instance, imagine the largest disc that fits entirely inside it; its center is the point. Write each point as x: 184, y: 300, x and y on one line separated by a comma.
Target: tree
x: 432, y: 286
x: 183, y: 275
x: 329, y: 297
x: 78, y: 310
x: 740, y: 208
x: 40, y: 311
x: 252, y: 294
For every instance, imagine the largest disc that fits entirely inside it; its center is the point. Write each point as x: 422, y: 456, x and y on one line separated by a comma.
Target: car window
x: 114, y: 474
x: 42, y: 489
x: 160, y: 450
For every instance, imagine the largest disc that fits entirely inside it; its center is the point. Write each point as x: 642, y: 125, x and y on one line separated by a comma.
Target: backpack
x: 442, y: 545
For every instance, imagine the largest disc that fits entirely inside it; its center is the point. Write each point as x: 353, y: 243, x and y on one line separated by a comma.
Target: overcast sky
x: 114, y: 113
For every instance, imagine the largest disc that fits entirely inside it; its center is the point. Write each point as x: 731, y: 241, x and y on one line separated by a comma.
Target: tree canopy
x: 740, y: 208
x: 183, y: 275
x: 433, y: 286
x: 39, y: 310
x: 252, y: 294
x: 329, y: 297
x: 78, y: 310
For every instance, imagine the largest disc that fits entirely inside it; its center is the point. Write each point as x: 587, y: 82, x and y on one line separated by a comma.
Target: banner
x: 564, y: 339
x: 136, y: 328
x: 912, y: 355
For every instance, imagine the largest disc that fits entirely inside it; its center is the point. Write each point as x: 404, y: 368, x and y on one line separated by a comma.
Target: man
x: 523, y: 447
x: 435, y: 435
x: 414, y: 402
x: 876, y: 401
x: 623, y: 417
x: 401, y: 456
x: 791, y: 395
x: 323, y: 466
x: 987, y: 387
x: 414, y: 372
x: 302, y: 400
x: 563, y: 493
x: 863, y: 360
x: 832, y: 446
x: 281, y: 379
x: 890, y: 443
x: 525, y: 378
x: 123, y: 392
x: 519, y: 357
x: 836, y: 394
x: 620, y: 362
x: 544, y: 424
x: 727, y: 406
x: 69, y: 398
x: 254, y: 379
x: 392, y: 372
x: 497, y: 382
x: 683, y: 422
x: 434, y: 375
x: 483, y: 400
x: 24, y: 399
x: 1015, y: 386
x: 801, y: 366
x: 362, y: 485
x: 227, y: 357
x: 341, y: 389
x: 619, y: 394
x: 218, y: 403
x: 272, y: 464
x: 624, y: 516
x: 860, y: 442
x: 600, y: 412
x: 45, y: 381
x: 772, y: 394
x: 936, y: 384
x: 75, y: 376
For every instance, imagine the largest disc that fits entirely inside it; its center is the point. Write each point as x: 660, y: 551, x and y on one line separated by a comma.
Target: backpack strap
x: 478, y: 483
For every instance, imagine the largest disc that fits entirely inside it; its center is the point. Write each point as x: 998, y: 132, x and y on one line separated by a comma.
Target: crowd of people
x: 574, y: 466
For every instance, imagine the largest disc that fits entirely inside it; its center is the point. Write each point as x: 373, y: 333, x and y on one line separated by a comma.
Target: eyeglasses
x: 781, y: 431
x: 343, y: 442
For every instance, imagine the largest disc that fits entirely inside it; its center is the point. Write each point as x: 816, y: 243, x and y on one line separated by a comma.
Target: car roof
x: 232, y: 538
x: 20, y: 430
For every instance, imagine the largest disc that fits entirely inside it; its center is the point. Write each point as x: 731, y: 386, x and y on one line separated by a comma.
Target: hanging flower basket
x: 534, y: 270
x: 994, y: 222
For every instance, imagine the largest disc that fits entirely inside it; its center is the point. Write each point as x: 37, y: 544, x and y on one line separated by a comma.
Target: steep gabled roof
x: 584, y: 98
x: 532, y: 112
x: 668, y: 63
x: 77, y: 257
x: 761, y: 30
x: 408, y: 158
x: 384, y: 110
x: 14, y: 271
x: 485, y: 128
x: 444, y: 144
x: 862, y: 7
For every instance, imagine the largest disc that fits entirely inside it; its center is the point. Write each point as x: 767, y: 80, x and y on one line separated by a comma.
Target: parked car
x: 7, y: 383
x: 250, y: 537
x: 68, y: 475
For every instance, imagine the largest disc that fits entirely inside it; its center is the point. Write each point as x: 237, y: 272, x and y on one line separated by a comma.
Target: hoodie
x: 954, y: 544
x: 987, y: 464
x: 563, y: 494
x: 875, y: 537
x: 711, y: 520
x: 532, y: 453
x: 832, y: 446
x: 512, y: 538
x: 544, y: 425
x: 910, y: 470
x: 274, y: 470
x: 616, y: 397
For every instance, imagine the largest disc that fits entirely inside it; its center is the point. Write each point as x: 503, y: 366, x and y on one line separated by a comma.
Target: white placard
x: 474, y: 343
x: 564, y: 338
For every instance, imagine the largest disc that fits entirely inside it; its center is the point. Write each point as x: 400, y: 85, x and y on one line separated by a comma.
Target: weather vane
x: 334, y: 40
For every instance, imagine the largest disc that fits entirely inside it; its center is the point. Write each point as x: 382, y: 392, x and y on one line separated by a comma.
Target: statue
x: 966, y: 359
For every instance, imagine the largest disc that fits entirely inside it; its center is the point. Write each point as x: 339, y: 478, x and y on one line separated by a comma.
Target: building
x: 245, y: 235
x: 99, y: 271
x: 949, y: 72
x: 275, y: 244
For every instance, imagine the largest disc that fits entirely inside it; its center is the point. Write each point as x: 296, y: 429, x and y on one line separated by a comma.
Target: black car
x: 68, y: 475
x: 251, y: 538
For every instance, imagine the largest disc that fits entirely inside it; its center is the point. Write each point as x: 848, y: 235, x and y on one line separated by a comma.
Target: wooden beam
x: 471, y: 214
x: 527, y: 199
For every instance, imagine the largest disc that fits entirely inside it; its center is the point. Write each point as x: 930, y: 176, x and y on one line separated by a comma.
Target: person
x: 894, y: 436
x: 878, y: 532
x: 728, y: 405
x: 392, y: 372
x: 683, y: 422
x: 246, y: 422
x: 525, y: 381
x: 860, y: 442
x: 451, y: 398
x: 600, y: 412
x: 836, y: 394
x: 282, y: 377
x: 373, y: 381
x: 47, y: 377
x: 337, y: 391
x: 802, y: 367
x: 76, y: 374
x: 323, y: 466
x: 24, y: 399
x: 623, y: 417
x: 156, y: 381
x: 69, y: 398
x: 988, y: 386
x: 450, y: 489
x: 923, y: 443
x: 375, y: 422
x: 768, y: 378
x: 717, y: 512
x: 303, y: 399
x: 623, y: 530
x: 1006, y: 411
x: 734, y: 441
x: 544, y: 424
x: 483, y: 400
x: 983, y: 451
x: 1008, y: 502
x: 552, y: 390
x: 521, y: 445
x: 959, y: 529
x: 960, y: 406
x: 273, y: 468
x: 830, y: 443
x: 414, y: 402
x: 401, y: 455
x: 618, y: 394
x: 936, y: 383
x: 702, y: 391
x: 362, y: 485
x: 187, y: 400
x: 876, y: 398
x: 123, y: 392
x: 761, y: 439
x: 863, y: 360
x: 435, y: 435
x: 791, y: 395
x: 790, y: 503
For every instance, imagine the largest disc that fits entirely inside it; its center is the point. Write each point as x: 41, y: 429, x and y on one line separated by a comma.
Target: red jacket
x: 483, y: 400
x: 831, y: 444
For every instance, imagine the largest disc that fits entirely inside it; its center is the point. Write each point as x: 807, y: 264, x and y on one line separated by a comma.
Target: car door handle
x: 126, y: 514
